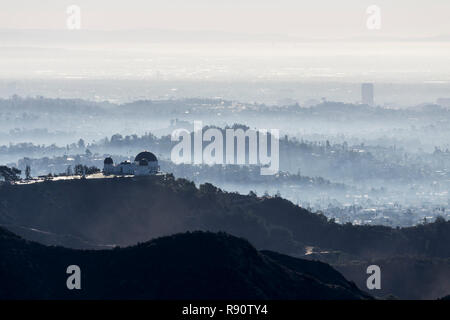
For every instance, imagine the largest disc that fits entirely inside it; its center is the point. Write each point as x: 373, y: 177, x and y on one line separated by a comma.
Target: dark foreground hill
x: 94, y: 213
x: 404, y: 276
x: 184, y: 266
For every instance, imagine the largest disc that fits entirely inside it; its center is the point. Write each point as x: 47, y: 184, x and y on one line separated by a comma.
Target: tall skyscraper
x: 367, y: 94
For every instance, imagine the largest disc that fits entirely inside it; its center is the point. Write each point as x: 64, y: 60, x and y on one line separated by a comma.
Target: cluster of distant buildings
x: 367, y: 96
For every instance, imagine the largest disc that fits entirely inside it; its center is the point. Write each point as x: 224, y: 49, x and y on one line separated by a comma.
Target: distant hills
x: 99, y: 213
x: 199, y: 265
x: 124, y: 211
x: 43, y: 36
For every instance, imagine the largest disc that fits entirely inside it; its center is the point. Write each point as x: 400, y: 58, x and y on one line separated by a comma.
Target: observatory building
x: 145, y: 164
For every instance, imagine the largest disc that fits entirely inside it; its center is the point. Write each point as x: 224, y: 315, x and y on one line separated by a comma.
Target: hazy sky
x: 241, y: 54
x: 319, y: 18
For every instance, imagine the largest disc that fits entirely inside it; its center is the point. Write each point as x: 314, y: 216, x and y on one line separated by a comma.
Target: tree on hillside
x: 10, y: 174
x: 91, y: 170
x: 81, y: 144
x: 28, y: 173
x: 78, y: 170
x: 82, y: 170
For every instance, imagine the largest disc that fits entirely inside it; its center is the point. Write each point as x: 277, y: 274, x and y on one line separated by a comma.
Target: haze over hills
x: 123, y: 211
x: 94, y: 213
x: 133, y: 142
x: 394, y: 163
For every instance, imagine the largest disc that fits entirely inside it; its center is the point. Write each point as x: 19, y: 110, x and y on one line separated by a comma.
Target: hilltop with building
x: 144, y: 164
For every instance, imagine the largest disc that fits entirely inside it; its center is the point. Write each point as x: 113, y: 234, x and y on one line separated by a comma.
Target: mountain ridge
x: 196, y: 265
x: 94, y: 213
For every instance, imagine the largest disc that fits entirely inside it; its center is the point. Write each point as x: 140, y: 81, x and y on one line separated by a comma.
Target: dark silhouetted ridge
x: 198, y: 265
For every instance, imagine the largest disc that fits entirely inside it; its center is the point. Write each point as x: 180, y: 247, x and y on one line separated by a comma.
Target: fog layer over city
x: 356, y: 163
x: 129, y: 74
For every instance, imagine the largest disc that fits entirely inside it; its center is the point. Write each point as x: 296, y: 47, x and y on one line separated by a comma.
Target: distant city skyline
x: 286, y: 44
